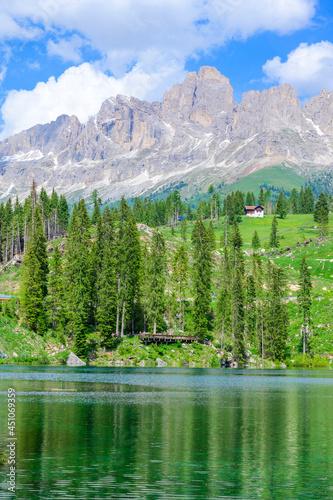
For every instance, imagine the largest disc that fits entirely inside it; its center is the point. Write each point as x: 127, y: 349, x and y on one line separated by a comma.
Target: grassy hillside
x: 279, y: 177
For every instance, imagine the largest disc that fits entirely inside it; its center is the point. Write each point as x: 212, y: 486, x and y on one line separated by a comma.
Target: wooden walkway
x: 161, y: 338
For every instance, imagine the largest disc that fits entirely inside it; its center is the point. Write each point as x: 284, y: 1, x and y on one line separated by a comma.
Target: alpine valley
x: 196, y: 136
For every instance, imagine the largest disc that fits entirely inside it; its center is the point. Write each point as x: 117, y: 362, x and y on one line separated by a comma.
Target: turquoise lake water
x: 169, y: 434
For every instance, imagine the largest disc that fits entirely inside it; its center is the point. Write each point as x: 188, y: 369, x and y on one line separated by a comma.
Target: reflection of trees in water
x: 236, y: 440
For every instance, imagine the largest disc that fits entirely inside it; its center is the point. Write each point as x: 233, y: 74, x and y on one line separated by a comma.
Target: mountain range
x: 198, y: 135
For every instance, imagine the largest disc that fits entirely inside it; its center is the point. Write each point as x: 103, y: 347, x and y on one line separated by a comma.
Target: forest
x: 101, y: 275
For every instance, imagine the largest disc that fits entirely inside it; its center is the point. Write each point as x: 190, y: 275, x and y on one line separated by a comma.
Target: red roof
x: 253, y: 208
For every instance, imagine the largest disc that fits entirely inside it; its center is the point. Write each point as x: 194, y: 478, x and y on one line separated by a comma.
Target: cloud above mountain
x: 141, y: 46
x: 308, y: 68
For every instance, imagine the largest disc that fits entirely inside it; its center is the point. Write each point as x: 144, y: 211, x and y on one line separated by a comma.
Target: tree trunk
x: 123, y: 319
x: 155, y: 328
x: 118, y: 307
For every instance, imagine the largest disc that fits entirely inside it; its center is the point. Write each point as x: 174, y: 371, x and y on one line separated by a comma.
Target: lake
x: 169, y: 434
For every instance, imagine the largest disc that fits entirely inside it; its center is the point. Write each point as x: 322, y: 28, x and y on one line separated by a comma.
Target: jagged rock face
x: 197, y: 135
x: 320, y: 110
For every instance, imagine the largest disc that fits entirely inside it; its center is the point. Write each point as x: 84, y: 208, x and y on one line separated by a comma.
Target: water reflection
x: 184, y: 434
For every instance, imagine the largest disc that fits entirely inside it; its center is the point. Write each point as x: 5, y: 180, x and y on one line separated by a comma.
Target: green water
x: 170, y: 434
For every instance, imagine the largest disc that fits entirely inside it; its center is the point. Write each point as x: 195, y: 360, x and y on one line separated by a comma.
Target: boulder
x: 14, y: 354
x: 283, y: 366
x: 161, y: 363
x: 74, y: 360
x: 185, y: 364
x: 142, y: 363
x: 247, y: 353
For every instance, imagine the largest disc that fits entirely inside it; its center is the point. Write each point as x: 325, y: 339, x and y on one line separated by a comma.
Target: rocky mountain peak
x: 197, y: 134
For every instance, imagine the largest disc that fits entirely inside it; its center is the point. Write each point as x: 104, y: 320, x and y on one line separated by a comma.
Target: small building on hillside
x: 256, y: 211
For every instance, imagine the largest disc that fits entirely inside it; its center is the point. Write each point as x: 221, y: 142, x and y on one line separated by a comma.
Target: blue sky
x: 67, y: 56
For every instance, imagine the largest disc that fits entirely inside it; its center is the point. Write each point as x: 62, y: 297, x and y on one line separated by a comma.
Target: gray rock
x: 186, y: 364
x: 247, y: 353
x: 252, y: 360
x: 142, y: 363
x: 161, y: 363
x: 74, y: 360
x: 283, y: 366
x: 197, y: 128
x: 15, y: 355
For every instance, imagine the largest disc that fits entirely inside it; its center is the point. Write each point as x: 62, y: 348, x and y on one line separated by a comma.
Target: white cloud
x: 308, y: 68
x: 68, y: 50
x: 143, y: 43
x: 78, y: 91
x: 129, y: 28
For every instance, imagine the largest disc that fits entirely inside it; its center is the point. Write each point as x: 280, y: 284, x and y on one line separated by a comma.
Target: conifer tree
x: 308, y: 200
x: 261, y: 197
x: 96, y: 201
x: 237, y: 300
x: 250, y: 308
x: 304, y: 300
x: 38, y: 243
x: 273, y: 238
x: 255, y: 241
x: 56, y: 293
x: 302, y: 202
x: 275, y: 313
x: 224, y: 298
x: 157, y: 271
x: 294, y: 201
x: 321, y: 213
x: 107, y: 281
x: 31, y: 293
x: 180, y: 279
x: 281, y: 206
x: 183, y: 229
x: 78, y: 283
x: 202, y: 276
x: 63, y: 214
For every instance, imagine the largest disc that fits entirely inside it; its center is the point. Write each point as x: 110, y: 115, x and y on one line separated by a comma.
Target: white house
x: 257, y: 211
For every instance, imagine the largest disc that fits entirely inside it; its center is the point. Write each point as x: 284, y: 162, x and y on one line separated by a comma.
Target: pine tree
x: 281, y: 206
x: 107, y: 281
x: 224, y: 312
x: 202, y: 276
x: 275, y: 313
x: 321, y: 213
x: 304, y: 300
x: 237, y: 299
x: 261, y: 197
x: 31, y: 293
x: 62, y: 215
x: 56, y: 291
x: 255, y: 241
x: 38, y: 243
x: 96, y: 201
x: 308, y: 200
x: 294, y: 201
x: 302, y: 202
x: 157, y: 272
x: 183, y: 229
x: 250, y: 308
x: 78, y: 283
x: 273, y: 238
x: 180, y: 279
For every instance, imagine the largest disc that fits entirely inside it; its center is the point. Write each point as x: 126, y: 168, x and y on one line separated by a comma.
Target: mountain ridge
x: 198, y: 135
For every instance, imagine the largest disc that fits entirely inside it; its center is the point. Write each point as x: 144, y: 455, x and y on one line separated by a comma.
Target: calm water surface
x: 170, y: 434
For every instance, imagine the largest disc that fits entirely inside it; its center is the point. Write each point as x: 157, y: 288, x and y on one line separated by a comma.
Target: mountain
x: 196, y: 136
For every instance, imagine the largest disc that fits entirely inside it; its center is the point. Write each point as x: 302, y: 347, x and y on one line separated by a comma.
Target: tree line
x: 16, y: 220
x: 106, y: 279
